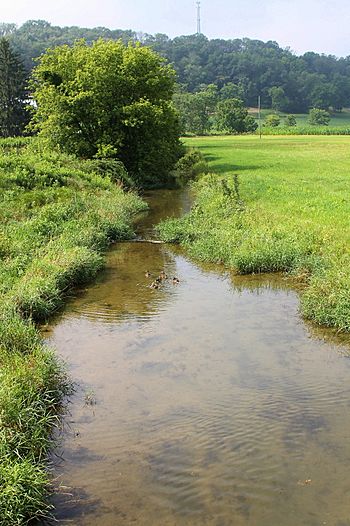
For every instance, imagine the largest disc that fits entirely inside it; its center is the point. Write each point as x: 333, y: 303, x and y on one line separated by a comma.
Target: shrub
x: 290, y: 120
x: 190, y: 167
x: 319, y: 117
x: 273, y: 120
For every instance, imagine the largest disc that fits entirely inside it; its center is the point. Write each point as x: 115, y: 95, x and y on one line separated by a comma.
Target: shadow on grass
x: 227, y: 167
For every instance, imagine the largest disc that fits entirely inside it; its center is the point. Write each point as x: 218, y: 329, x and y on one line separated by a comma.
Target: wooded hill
x: 285, y: 81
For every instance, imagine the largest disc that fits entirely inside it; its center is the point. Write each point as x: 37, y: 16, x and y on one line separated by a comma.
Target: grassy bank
x: 57, y: 215
x: 287, y: 209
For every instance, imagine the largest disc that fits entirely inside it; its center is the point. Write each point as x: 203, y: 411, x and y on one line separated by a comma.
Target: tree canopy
x: 298, y: 83
x: 13, y: 115
x: 232, y: 116
x: 109, y: 100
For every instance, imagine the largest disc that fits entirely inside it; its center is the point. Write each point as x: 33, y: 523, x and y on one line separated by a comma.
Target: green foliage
x: 232, y: 116
x: 13, y: 115
x: 290, y: 121
x: 195, y: 109
x: 290, y: 215
x: 109, y: 101
x: 114, y: 169
x: 231, y: 91
x: 319, y: 117
x: 190, y: 167
x: 310, y: 80
x: 273, y: 120
x: 57, y: 214
x: 279, y: 101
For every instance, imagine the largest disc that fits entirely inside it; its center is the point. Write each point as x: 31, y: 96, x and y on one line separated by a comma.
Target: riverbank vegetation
x: 58, y: 214
x: 109, y: 101
x: 279, y: 204
x: 105, y: 121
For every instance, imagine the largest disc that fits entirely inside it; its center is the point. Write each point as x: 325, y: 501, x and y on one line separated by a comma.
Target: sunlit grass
x: 295, y: 219
x: 57, y: 215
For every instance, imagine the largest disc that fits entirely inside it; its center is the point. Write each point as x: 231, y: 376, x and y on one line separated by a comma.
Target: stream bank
x: 208, y: 402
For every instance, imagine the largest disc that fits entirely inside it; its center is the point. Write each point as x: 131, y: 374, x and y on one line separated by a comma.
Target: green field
x: 287, y: 210
x: 338, y: 119
x: 57, y: 215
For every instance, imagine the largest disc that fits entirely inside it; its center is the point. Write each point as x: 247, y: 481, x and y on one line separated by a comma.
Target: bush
x: 190, y: 167
x: 319, y: 117
x: 273, y: 120
x: 290, y: 120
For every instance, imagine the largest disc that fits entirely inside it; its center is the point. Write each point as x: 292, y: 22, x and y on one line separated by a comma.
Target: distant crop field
x: 292, y: 214
x: 338, y: 119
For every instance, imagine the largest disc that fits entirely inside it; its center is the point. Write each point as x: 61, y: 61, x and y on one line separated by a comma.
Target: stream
x: 205, y: 402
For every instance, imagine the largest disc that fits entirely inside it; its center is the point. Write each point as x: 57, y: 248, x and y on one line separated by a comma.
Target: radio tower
x: 198, y: 18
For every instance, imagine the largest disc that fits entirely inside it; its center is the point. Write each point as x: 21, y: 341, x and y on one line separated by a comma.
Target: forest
x: 285, y: 81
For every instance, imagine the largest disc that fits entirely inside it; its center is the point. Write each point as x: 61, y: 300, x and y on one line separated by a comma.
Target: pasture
x: 280, y: 203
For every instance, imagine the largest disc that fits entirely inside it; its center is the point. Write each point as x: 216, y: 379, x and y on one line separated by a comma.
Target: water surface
x: 204, y: 403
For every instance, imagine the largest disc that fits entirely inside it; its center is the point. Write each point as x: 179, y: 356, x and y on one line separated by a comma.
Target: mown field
x: 277, y: 204
x: 57, y: 216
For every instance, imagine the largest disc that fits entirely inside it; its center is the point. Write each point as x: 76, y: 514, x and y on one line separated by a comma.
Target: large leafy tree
x: 196, y: 109
x: 13, y: 115
x: 109, y: 100
x: 232, y: 116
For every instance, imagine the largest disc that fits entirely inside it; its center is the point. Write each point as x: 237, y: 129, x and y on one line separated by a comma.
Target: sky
x: 302, y: 25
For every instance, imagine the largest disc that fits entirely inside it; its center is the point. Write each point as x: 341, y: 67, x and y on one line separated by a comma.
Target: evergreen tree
x: 13, y: 115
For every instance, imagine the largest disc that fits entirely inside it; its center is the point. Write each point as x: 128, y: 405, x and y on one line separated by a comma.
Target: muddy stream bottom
x: 208, y: 402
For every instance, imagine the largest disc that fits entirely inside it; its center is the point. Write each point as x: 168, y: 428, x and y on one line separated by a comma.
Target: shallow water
x: 204, y: 403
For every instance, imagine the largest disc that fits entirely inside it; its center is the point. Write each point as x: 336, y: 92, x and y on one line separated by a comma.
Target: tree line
x: 216, y: 79
x: 284, y: 81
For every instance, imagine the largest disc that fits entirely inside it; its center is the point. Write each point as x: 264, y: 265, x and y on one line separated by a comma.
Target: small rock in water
x: 304, y: 482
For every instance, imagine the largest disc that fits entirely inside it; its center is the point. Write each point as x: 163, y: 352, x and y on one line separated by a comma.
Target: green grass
x: 290, y: 213
x: 57, y: 215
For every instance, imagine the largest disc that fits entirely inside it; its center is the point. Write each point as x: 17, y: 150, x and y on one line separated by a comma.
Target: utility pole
x: 259, y: 115
x: 198, y: 17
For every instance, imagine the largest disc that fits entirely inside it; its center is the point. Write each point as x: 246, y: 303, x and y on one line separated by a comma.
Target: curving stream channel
x: 209, y: 402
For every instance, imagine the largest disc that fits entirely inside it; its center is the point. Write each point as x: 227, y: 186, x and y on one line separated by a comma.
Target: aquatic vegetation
x: 289, y: 214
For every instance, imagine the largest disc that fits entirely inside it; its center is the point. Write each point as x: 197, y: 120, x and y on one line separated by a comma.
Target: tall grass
x: 294, y: 218
x: 57, y: 215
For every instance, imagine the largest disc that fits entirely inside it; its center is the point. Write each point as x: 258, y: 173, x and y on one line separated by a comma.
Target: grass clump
x: 288, y: 214
x: 57, y: 215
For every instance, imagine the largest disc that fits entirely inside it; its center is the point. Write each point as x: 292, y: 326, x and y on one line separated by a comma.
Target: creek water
x: 207, y: 402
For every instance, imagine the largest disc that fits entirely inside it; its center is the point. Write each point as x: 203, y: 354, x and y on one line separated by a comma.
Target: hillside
x: 310, y: 80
